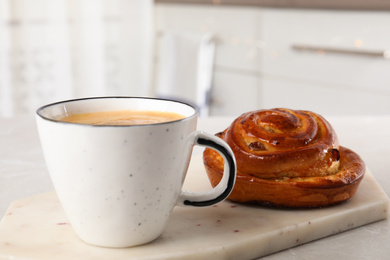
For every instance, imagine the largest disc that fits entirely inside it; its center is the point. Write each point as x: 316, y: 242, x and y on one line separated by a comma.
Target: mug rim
x: 42, y: 108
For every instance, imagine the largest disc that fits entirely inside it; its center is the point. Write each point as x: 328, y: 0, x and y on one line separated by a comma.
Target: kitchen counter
x: 23, y: 173
x: 380, y: 5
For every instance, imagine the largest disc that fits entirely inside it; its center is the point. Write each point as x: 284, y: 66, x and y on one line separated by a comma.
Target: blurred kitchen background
x: 226, y: 57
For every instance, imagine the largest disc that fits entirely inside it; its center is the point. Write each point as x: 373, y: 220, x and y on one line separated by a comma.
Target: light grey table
x: 23, y: 173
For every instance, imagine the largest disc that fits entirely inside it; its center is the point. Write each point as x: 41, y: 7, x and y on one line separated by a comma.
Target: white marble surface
x: 224, y: 231
x: 23, y: 173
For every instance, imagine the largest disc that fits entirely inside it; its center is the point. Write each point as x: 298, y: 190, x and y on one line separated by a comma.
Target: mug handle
x: 225, y: 186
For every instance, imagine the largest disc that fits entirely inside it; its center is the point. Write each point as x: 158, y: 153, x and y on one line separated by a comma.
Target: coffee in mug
x: 122, y: 117
x: 119, y: 183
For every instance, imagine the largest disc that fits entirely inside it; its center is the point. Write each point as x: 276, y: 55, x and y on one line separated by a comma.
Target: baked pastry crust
x: 287, y: 158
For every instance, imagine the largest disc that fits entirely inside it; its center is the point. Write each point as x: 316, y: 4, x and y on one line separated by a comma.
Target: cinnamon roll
x: 287, y: 158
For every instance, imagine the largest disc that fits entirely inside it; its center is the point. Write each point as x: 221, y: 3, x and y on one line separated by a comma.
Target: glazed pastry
x: 287, y: 158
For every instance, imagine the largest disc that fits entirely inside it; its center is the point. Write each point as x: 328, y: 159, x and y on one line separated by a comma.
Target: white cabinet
x: 353, y: 80
x: 235, y: 28
x: 235, y: 81
x: 257, y: 67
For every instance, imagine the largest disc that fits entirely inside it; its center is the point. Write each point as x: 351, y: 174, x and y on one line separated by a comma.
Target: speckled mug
x: 119, y: 184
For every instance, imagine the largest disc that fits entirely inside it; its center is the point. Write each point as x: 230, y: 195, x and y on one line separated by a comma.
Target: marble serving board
x: 37, y: 228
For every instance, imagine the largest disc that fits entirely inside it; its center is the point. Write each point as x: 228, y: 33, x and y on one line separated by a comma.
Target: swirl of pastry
x: 287, y: 158
x: 283, y: 143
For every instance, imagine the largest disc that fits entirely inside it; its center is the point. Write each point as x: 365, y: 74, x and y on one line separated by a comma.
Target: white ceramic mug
x: 119, y: 184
